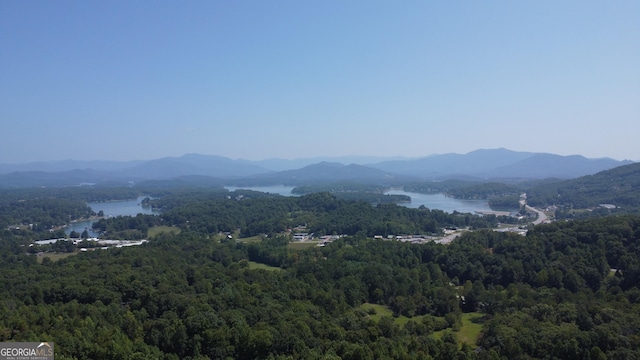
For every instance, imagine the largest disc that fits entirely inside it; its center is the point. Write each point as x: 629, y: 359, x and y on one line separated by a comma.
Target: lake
x: 431, y: 201
x: 441, y: 202
x: 131, y: 207
x: 273, y: 189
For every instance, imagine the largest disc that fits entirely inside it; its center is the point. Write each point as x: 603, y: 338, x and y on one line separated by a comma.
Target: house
x: 300, y: 237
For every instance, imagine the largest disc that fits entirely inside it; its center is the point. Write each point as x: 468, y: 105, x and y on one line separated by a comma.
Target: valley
x: 238, y: 273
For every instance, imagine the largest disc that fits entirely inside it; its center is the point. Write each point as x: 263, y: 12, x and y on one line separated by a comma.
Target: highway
x: 542, y: 217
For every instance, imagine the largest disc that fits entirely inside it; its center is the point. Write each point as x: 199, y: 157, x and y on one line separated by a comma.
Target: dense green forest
x: 255, y: 213
x: 566, y: 290
x: 500, y: 196
x: 583, y: 196
x: 339, y: 188
x: 373, y: 194
x: 484, y: 191
x: 550, y: 294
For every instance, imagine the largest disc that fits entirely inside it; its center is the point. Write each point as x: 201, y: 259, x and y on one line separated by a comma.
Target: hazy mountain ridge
x: 479, y: 164
x: 323, y: 172
x: 555, y: 166
x: 67, y: 165
x: 195, y: 164
x: 470, y: 164
x: 43, y: 178
x: 619, y: 186
x: 284, y: 164
x: 501, y: 163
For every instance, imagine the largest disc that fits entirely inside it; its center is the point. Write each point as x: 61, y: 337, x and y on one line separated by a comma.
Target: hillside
x: 619, y: 187
x: 447, y: 165
x: 500, y: 163
x: 480, y: 165
x: 194, y: 293
x: 325, y: 172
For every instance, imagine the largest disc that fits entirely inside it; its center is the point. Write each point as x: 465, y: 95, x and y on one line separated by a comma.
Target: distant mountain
x: 499, y: 163
x: 470, y: 164
x: 619, y: 187
x: 477, y: 165
x: 57, y: 173
x: 183, y: 181
x: 324, y: 172
x: 67, y: 165
x: 63, y: 178
x: 284, y: 164
x: 194, y: 164
x: 540, y: 166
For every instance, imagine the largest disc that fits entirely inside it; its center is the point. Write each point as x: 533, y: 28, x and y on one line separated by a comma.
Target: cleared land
x: 255, y: 265
x: 56, y: 256
x: 155, y: 230
x: 381, y: 310
x: 302, y: 245
x: 253, y: 239
x: 470, y: 330
x: 468, y: 333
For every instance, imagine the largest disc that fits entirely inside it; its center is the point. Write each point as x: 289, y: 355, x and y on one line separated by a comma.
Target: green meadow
x: 155, y: 230
x: 255, y: 265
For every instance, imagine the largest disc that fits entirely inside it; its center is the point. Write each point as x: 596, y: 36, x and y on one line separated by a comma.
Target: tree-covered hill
x: 566, y: 290
x: 619, y: 187
x: 550, y: 295
x: 254, y: 213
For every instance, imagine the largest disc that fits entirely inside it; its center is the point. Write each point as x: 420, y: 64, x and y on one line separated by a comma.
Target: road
x: 448, y: 238
x: 542, y: 217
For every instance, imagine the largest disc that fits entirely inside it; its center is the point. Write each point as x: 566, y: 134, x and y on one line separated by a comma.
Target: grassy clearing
x: 470, y: 330
x: 381, y: 310
x: 254, y: 265
x: 302, y: 245
x: 253, y: 239
x: 55, y: 256
x: 155, y: 230
x: 376, y: 311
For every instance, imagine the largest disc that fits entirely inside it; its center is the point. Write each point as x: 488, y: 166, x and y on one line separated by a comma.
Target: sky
x: 125, y: 80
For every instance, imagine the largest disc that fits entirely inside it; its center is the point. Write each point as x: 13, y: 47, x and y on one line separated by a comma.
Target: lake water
x: 274, y: 189
x: 431, y: 201
x: 442, y: 202
x: 131, y: 207
x: 134, y: 207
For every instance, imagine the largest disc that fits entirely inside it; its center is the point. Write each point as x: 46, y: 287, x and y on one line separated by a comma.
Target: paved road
x: 449, y: 238
x: 542, y: 217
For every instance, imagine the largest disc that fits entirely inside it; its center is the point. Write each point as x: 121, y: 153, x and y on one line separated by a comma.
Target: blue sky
x: 122, y: 80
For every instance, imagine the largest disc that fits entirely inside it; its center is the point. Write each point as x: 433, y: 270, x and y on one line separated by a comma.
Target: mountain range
x: 485, y: 164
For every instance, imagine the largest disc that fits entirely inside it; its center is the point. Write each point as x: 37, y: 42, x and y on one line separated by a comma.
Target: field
x: 56, y: 256
x: 155, y: 230
x: 254, y: 265
x: 381, y: 310
x: 470, y: 330
x: 253, y: 239
x: 302, y: 245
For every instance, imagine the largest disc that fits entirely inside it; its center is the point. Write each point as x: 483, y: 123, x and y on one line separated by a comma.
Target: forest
x: 566, y: 290
x: 582, y: 197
